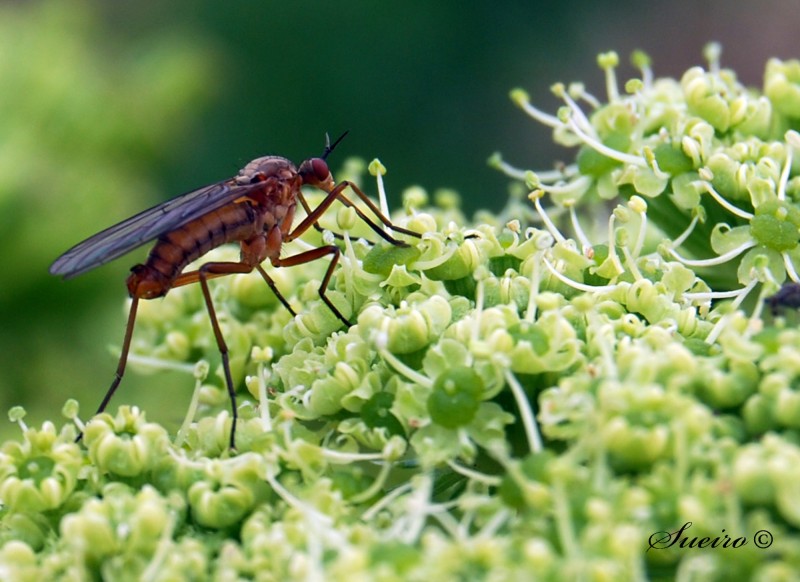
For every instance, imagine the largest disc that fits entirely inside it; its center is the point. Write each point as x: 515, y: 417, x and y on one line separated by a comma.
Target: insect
x: 255, y: 208
x: 787, y: 296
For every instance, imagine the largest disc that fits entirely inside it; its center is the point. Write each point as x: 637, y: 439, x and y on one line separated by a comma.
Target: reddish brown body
x: 255, y: 208
x: 261, y: 221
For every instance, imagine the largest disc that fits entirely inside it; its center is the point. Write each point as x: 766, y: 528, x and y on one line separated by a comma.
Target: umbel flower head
x: 530, y: 394
x: 712, y: 158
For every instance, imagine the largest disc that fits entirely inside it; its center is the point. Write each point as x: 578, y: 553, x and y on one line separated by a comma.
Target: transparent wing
x: 137, y: 230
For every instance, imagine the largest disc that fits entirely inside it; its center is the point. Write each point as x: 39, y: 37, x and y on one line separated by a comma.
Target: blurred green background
x: 109, y: 107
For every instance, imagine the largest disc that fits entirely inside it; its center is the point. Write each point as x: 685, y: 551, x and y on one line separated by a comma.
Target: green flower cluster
x: 512, y: 401
x: 713, y: 158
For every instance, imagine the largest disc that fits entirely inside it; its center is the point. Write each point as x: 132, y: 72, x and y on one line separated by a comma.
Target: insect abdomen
x: 176, y: 249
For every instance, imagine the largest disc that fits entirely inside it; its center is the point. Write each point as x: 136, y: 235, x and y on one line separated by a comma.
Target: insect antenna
x: 328, y: 147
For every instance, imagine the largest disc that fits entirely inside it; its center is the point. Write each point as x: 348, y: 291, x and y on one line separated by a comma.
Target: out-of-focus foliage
x: 81, y: 124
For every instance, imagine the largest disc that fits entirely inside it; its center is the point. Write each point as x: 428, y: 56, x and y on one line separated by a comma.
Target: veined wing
x: 137, y: 230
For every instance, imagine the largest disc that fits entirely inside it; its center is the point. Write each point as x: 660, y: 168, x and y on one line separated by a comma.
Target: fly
x: 255, y: 208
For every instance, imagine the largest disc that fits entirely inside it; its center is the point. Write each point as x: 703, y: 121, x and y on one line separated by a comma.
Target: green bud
x: 644, y: 180
x: 447, y: 199
x: 634, y: 447
x: 125, y: 444
x: 775, y: 225
x: 30, y: 529
x: 787, y: 408
x: 608, y: 60
x: 70, y: 409
x: 376, y: 167
x: 633, y: 86
x: 218, y: 507
x: 782, y: 86
x: 753, y: 116
x: 519, y: 96
x: 346, y: 218
x: 40, y: 473
x: 466, y: 258
x: 408, y: 328
x: 327, y: 392
x: 531, y: 333
x: 704, y: 98
x: 641, y: 59
x: 414, y: 197
x: 455, y: 397
x: 91, y: 532
x: 16, y: 413
x: 384, y: 257
x: 230, y: 491
x: 750, y: 477
x: 672, y: 160
x: 726, y: 177
x: 19, y: 561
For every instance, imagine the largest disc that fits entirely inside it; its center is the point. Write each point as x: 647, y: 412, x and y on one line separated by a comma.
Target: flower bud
x: 410, y: 327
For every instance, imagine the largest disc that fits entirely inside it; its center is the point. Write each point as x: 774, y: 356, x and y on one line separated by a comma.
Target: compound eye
x: 320, y: 168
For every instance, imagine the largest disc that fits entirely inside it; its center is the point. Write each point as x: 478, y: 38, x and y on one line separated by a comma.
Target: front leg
x: 313, y: 255
x: 338, y: 194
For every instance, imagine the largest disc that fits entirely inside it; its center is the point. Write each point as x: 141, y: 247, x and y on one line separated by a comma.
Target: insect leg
x: 371, y: 205
x: 123, y: 359
x: 274, y: 288
x: 313, y: 255
x: 202, y: 275
x: 316, y: 225
x: 336, y: 194
x: 193, y: 277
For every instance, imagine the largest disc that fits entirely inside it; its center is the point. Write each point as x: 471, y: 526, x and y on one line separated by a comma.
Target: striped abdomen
x: 177, y: 248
